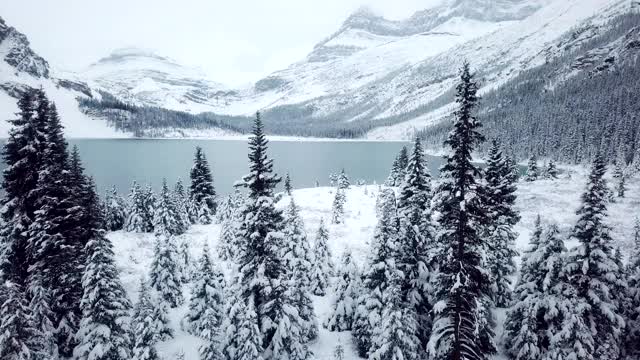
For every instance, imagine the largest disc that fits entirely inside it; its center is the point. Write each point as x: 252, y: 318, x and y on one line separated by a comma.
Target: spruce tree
x: 551, y: 172
x: 533, y: 173
x: 17, y: 333
x: 381, y: 265
x: 260, y: 263
x: 147, y: 327
x: 322, y: 262
x: 500, y: 199
x: 396, y: 336
x: 243, y: 335
x: 394, y: 174
x: 42, y: 318
x: 165, y: 274
x: 343, y: 180
x: 181, y: 204
x: 535, y: 323
x: 592, y: 269
x: 187, y: 268
x: 114, y: 211
x: 346, y: 292
x: 104, y: 330
x: 202, y: 191
x: 287, y: 184
x: 136, y: 214
x: 298, y: 259
x: 166, y: 220
x: 461, y: 327
x: 149, y: 201
x: 416, y: 241
x: 206, y: 303
x: 337, y: 211
x: 633, y: 296
x: 622, y: 186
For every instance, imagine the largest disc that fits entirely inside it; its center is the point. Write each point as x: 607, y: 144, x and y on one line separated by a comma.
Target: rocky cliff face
x: 15, y: 50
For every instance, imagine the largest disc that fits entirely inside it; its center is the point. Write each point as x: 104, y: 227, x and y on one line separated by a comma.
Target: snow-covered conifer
x: 343, y: 180
x: 114, y: 210
x: 16, y: 330
x: 346, y: 292
x: 104, y: 330
x: 206, y: 302
x: 322, y: 262
x: 149, y: 201
x: 165, y: 270
x: 416, y: 241
x: 243, y: 338
x: 622, y: 186
x: 381, y: 264
x: 533, y: 173
x: 633, y: 296
x: 551, y: 171
x: 462, y: 290
x: 398, y: 169
x: 187, y: 268
x: 148, y: 325
x: 287, y: 184
x: 135, y: 221
x: 500, y: 198
x: 535, y: 322
x: 299, y: 260
x: 166, y: 220
x: 202, y: 191
x: 337, y: 210
x: 592, y: 270
x: 181, y: 204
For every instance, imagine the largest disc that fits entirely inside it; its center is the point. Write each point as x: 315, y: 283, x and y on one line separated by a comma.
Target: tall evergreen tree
x: 298, y: 259
x: 345, y: 296
x: 243, y: 335
x: 501, y: 181
x: 147, y: 327
x: 261, y: 267
x: 398, y: 169
x: 592, y: 269
x: 104, y: 330
x: 337, y: 210
x: 165, y: 274
x: 551, y: 172
x: 166, y: 220
x: 633, y: 296
x: 322, y: 262
x: 202, y: 191
x: 206, y: 303
x: 463, y: 286
x: 343, y: 180
x: 17, y: 333
x: 381, y: 265
x: 136, y: 214
x: 114, y: 211
x: 416, y: 242
x: 535, y: 323
x: 181, y: 204
x: 287, y: 184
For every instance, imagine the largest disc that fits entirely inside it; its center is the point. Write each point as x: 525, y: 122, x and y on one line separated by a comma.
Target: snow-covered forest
x: 481, y: 262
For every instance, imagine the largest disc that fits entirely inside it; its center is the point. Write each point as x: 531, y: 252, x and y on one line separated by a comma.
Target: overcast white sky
x: 234, y: 41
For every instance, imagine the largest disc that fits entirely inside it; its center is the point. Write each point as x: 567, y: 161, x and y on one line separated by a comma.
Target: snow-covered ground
x: 554, y: 200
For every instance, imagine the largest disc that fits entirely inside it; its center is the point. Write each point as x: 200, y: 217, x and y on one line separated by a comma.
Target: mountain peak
x: 16, y: 51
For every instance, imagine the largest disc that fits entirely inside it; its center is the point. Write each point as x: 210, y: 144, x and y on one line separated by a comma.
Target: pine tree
x: 181, y: 204
x: 592, y: 270
x: 337, y: 211
x: 243, y: 335
x: 535, y: 323
x: 322, y: 262
x: 136, y: 215
x: 345, y: 296
x: 114, y: 211
x: 227, y: 244
x: 500, y: 196
x: 186, y: 266
x: 533, y: 173
x: 104, y: 331
x: 260, y: 262
x: 42, y: 318
x: 343, y: 180
x: 461, y: 328
x: 551, y: 172
x: 147, y: 327
x: 398, y: 169
x: 396, y: 336
x: 149, y: 201
x: 287, y: 184
x: 16, y: 330
x: 381, y: 265
x: 416, y: 241
x: 165, y: 274
x: 298, y: 260
x: 206, y: 302
x: 166, y: 220
x: 202, y: 191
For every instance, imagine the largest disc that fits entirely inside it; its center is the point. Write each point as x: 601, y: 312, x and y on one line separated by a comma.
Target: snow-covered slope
x: 554, y: 200
x: 143, y: 77
x: 21, y: 68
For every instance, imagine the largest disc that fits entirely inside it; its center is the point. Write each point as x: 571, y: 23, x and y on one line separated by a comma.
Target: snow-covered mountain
x: 393, y: 77
x: 144, y: 77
